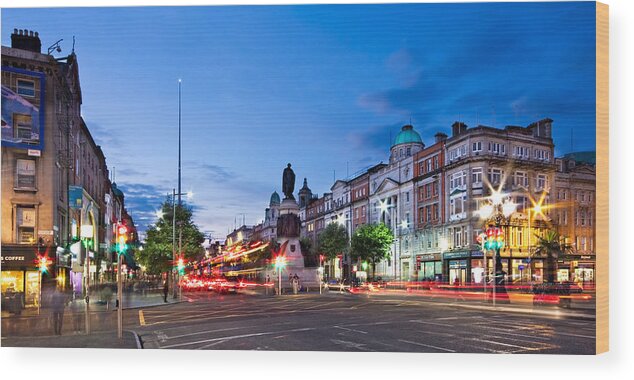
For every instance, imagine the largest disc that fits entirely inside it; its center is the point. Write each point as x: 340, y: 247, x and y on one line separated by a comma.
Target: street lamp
x: 189, y: 194
x: 86, y: 233
x: 280, y: 263
x: 497, y: 209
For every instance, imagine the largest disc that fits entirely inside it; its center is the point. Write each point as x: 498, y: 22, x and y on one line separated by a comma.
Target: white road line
x: 576, y: 335
x: 352, y: 330
x: 426, y: 345
x: 202, y: 332
x: 345, y: 343
x: 210, y: 345
x: 233, y: 337
x: 430, y: 323
x: 508, y: 344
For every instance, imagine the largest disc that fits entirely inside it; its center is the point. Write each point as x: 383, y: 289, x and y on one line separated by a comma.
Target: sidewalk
x: 95, y: 340
x: 102, y: 317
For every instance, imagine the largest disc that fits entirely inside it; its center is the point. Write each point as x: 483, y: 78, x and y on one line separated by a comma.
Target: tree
x: 157, y: 253
x: 371, y: 242
x: 552, y: 245
x: 333, y: 241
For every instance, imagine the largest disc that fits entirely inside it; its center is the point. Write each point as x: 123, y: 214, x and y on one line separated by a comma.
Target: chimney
x: 26, y: 40
x: 457, y: 128
x: 440, y: 137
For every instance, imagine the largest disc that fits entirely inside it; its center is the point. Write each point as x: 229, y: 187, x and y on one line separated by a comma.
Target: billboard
x: 23, y: 109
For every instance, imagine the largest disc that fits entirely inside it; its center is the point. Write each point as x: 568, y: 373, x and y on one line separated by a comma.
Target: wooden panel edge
x: 602, y: 179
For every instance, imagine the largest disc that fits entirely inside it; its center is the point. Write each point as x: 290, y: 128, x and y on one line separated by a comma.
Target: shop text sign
x: 12, y: 259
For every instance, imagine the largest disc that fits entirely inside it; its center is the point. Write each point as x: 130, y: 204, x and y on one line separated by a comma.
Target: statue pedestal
x: 288, y: 227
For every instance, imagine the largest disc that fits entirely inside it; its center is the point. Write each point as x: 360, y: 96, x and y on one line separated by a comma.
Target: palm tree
x: 552, y: 245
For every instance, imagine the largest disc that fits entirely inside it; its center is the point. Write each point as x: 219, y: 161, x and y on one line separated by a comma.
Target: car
x: 224, y: 285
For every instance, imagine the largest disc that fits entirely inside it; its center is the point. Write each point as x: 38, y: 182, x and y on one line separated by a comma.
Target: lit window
x: 25, y: 224
x: 25, y: 174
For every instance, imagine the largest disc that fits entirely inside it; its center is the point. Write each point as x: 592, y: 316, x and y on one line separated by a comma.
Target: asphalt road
x: 356, y: 323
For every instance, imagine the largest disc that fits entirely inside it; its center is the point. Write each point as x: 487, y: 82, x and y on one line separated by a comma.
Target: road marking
x: 430, y: 323
x: 234, y: 337
x: 202, y: 332
x: 345, y: 343
x: 141, y: 318
x: 352, y: 330
x: 510, y: 345
x: 577, y: 335
x: 426, y: 345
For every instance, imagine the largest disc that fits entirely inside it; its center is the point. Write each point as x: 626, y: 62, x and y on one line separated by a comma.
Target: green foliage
x: 333, y: 241
x: 157, y: 253
x: 552, y: 245
x: 371, y: 242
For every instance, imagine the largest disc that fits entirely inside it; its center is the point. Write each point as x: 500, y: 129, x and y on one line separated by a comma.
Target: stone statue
x: 288, y: 182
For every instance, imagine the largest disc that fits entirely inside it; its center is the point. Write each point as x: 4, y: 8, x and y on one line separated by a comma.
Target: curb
x: 137, y: 338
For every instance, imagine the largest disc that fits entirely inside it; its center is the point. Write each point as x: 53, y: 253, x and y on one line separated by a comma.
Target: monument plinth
x: 288, y: 231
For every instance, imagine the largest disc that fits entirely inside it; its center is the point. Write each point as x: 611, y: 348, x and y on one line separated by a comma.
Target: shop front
x: 577, y: 268
x: 20, y: 279
x: 463, y: 267
x: 429, y: 267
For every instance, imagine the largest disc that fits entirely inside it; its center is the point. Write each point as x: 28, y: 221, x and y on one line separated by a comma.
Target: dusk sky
x: 320, y: 86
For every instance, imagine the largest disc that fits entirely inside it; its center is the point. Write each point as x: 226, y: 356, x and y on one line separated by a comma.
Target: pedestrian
x: 295, y: 283
x: 58, y: 304
x: 75, y: 309
x: 165, y: 290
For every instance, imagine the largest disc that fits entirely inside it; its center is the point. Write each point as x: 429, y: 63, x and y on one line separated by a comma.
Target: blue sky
x: 320, y: 86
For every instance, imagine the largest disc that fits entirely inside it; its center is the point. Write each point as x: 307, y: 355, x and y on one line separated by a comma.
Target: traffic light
x: 181, y: 266
x: 122, y: 231
x: 280, y: 262
x: 494, y: 238
x: 42, y: 263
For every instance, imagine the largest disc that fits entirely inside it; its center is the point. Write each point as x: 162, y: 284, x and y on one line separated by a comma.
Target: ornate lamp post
x: 496, y: 212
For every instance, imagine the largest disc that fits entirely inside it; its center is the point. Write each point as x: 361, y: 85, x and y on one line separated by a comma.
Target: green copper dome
x: 407, y: 135
x: 275, y: 198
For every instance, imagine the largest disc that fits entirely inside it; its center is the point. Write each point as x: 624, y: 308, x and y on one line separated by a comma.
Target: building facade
x: 55, y: 182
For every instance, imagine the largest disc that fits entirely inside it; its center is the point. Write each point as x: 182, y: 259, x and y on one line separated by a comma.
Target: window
x: 25, y: 174
x: 476, y: 175
x: 435, y: 162
x: 497, y: 148
x: 541, y: 182
x: 25, y: 224
x: 409, y: 152
x: 477, y: 146
x: 23, y: 125
x: 26, y: 88
x: 520, y: 179
x: 495, y: 176
x: 407, y: 196
x: 583, y: 217
x: 428, y: 166
x: 458, y: 179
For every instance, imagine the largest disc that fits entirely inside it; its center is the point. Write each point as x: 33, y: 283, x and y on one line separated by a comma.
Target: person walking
x: 295, y: 283
x: 58, y: 304
x: 165, y: 290
x: 76, y: 308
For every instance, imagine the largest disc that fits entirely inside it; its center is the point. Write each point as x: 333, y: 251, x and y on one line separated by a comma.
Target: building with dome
x: 267, y: 230
x: 391, y: 201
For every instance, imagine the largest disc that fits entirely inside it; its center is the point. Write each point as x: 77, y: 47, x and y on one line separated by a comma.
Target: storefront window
x: 477, y: 271
x: 12, y: 281
x: 563, y: 275
x: 31, y: 296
